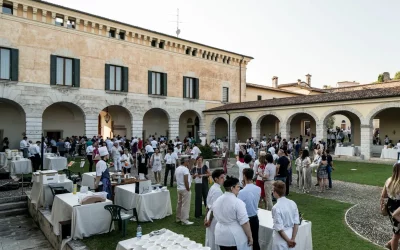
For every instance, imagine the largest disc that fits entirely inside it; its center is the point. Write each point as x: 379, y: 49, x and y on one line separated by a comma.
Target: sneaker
x: 187, y: 223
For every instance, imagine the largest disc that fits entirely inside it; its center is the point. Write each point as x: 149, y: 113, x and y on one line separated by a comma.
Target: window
x: 153, y: 43
x: 7, y: 9
x: 204, y: 54
x: 157, y: 84
x: 225, y: 94
x: 194, y: 52
x: 190, y: 88
x: 8, y: 64
x: 188, y: 51
x: 116, y: 78
x: 59, y: 21
x: 71, y: 24
x: 64, y: 71
x: 259, y: 98
x: 161, y: 45
x: 121, y: 35
x: 111, y: 33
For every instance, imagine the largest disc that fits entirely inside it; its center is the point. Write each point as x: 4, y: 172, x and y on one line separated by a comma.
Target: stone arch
x: 233, y: 128
x: 159, y: 123
x: 12, y: 122
x: 184, y: 129
x: 368, y: 119
x: 212, y: 133
x: 264, y: 114
x: 285, y: 126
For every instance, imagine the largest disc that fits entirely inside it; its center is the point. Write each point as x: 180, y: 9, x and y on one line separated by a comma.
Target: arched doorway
x: 269, y: 126
x: 221, y: 129
x: 12, y: 123
x: 243, y: 128
x: 156, y: 122
x: 115, y: 121
x: 63, y: 119
x: 302, y: 124
x: 344, y: 125
x: 189, y: 124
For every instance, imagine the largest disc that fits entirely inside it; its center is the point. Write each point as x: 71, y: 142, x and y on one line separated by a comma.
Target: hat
x: 103, y: 151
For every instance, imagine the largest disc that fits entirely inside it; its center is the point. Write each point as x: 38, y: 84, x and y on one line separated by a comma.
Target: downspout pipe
x: 229, y: 131
x: 240, y: 79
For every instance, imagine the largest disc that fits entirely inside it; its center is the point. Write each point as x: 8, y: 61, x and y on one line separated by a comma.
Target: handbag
x: 97, y: 157
x: 384, y: 207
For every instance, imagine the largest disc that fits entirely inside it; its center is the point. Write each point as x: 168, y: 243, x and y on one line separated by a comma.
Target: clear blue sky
x: 333, y: 40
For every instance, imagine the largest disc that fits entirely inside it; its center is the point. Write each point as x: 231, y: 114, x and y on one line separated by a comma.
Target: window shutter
x: 184, y: 87
x: 164, y: 84
x: 53, y: 69
x: 125, y: 79
x: 107, y: 77
x: 76, y: 74
x: 14, y: 64
x: 149, y: 82
x: 196, y: 88
x: 227, y: 94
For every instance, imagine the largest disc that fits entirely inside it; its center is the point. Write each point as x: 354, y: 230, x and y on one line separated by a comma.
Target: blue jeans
x: 329, y: 176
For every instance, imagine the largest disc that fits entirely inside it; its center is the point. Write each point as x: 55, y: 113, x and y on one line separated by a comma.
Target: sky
x: 333, y: 40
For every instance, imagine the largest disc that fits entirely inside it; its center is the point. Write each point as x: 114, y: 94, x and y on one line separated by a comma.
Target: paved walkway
x: 365, y: 217
x: 21, y: 233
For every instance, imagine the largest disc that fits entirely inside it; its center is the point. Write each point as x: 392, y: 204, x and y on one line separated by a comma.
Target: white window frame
x: 5, y: 73
x: 156, y: 84
x: 189, y: 86
x: 115, y: 78
x: 64, y: 78
x: 227, y: 94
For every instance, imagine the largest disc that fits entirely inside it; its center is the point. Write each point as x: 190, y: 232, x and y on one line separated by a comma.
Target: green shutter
x: 196, y: 88
x: 76, y: 73
x: 149, y: 82
x: 53, y: 69
x: 107, y: 77
x: 184, y: 87
x: 164, y: 84
x: 14, y: 64
x: 125, y: 79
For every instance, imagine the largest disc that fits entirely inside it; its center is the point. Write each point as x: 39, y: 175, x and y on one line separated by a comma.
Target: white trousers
x: 117, y: 164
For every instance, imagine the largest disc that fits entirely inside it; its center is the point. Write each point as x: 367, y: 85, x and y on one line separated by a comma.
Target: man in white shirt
x: 241, y: 165
x: 178, y: 149
x: 23, y: 146
x: 194, y: 154
x: 109, y: 144
x: 154, y: 144
x: 34, y: 153
x: 263, y: 143
x: 183, y: 182
x: 285, y: 217
x: 272, y: 150
x: 116, y: 155
x: 171, y: 159
x: 251, y: 152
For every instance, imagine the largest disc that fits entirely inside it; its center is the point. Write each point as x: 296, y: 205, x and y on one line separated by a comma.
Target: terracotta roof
x: 312, y: 99
x: 374, y: 85
x: 295, y: 84
x: 136, y: 27
x: 272, y: 88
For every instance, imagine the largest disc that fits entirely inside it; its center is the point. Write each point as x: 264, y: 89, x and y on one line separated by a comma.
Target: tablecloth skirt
x: 88, y: 179
x: 55, y: 163
x: 389, y: 153
x: 21, y: 167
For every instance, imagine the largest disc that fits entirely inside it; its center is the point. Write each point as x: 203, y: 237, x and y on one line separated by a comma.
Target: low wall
x: 215, y: 162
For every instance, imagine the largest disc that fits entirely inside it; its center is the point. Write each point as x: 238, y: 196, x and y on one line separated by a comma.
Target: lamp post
x: 107, y: 117
x: 42, y: 153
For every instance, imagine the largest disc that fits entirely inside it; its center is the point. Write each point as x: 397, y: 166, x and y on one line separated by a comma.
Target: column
x: 34, y: 128
x: 53, y: 18
x: 255, y: 132
x: 15, y: 9
x: 34, y: 11
x: 100, y: 29
x: 319, y: 130
x: 137, y: 127
x: 93, y: 26
x: 366, y: 141
x: 77, y: 23
x: 91, y: 125
x: 85, y: 24
x: 232, y: 136
x: 108, y: 31
x: 44, y: 16
x: 25, y: 11
x: 173, y: 128
x: 284, y: 133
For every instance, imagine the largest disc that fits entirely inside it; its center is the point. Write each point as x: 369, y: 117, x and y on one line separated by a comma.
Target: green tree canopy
x: 380, y: 78
x: 397, y: 76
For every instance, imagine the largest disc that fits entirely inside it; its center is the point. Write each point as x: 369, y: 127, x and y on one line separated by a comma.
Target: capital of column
x: 15, y: 6
x: 34, y: 10
x: 93, y: 25
x: 53, y: 15
x: 44, y: 12
x: 100, y: 26
x: 1, y: 2
x: 85, y: 23
x: 25, y: 8
x: 108, y: 28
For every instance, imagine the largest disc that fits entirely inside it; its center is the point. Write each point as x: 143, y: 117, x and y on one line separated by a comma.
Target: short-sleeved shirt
x: 195, y: 152
x: 200, y: 171
x: 250, y: 195
x: 180, y: 173
x: 171, y: 158
x: 154, y: 144
x: 101, y: 166
x: 283, y: 162
x: 270, y: 170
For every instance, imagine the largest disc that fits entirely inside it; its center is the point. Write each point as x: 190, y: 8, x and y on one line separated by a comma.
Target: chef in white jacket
x: 285, y: 216
x: 214, y: 193
x: 233, y: 227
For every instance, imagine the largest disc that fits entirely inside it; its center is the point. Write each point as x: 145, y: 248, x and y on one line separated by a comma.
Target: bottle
x: 139, y: 232
x: 75, y: 187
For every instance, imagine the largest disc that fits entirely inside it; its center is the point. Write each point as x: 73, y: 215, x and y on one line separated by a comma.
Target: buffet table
x: 88, y: 179
x: 41, y: 193
x: 348, y: 151
x: 153, y: 205
x: 3, y: 159
x: 23, y: 166
x: 303, y: 237
x: 389, y: 153
x: 86, y: 220
x: 55, y: 163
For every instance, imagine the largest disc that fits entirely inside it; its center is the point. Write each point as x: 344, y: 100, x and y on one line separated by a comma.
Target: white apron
x: 210, y: 233
x: 236, y: 230
x: 279, y: 243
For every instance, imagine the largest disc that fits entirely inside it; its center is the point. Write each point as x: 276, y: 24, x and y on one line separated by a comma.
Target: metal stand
x: 22, y: 184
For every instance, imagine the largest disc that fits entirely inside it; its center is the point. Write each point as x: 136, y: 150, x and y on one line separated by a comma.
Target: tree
x: 380, y: 78
x: 330, y: 122
x: 397, y: 76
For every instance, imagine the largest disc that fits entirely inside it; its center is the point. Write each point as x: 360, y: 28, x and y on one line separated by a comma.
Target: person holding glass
x: 200, y: 174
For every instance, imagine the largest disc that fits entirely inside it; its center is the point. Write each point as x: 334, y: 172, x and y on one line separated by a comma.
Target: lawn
x: 329, y: 229
x: 366, y: 173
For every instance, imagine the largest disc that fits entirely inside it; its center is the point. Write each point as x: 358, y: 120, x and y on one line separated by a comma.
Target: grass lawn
x: 366, y: 173
x: 329, y: 229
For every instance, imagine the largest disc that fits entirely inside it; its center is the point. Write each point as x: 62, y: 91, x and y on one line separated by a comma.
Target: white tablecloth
x: 303, y: 237
x: 389, y: 153
x: 55, y: 163
x: 154, y: 205
x: 87, y: 220
x: 41, y: 193
x: 48, y: 155
x: 349, y: 151
x: 23, y: 166
x: 88, y: 179
x: 3, y: 159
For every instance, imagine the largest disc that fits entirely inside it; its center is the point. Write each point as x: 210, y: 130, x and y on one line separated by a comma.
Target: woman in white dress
x: 233, y: 228
x: 307, y: 171
x: 156, y: 166
x: 127, y: 161
x: 237, y: 148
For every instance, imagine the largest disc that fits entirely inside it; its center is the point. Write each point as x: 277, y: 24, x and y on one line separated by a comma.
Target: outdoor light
x: 107, y: 117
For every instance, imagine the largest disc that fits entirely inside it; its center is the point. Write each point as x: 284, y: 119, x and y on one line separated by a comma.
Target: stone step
x: 13, y: 199
x: 13, y: 212
x: 12, y: 205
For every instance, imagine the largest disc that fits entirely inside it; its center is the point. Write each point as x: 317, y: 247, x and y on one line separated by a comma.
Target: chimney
x: 298, y: 81
x: 308, y: 79
x: 275, y: 82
